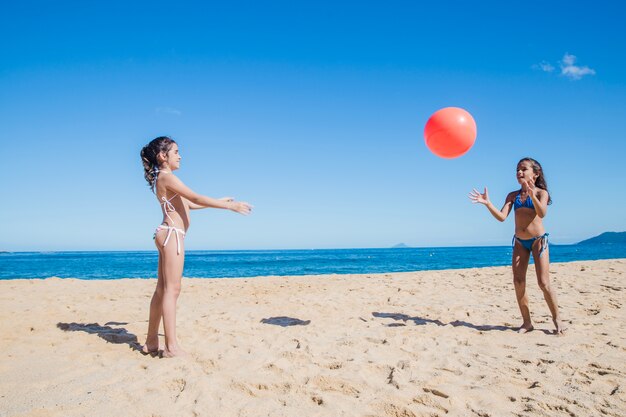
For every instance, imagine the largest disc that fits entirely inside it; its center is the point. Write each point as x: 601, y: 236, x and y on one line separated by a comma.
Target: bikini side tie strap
x: 544, y: 243
x: 168, y: 206
x: 176, y: 231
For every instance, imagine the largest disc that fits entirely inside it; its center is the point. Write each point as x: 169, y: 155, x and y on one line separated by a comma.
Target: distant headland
x: 605, y: 238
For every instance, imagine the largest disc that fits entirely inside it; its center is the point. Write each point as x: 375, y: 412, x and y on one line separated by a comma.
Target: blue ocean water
x: 227, y: 264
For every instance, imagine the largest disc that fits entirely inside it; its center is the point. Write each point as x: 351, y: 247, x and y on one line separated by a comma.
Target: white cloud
x: 168, y: 110
x: 544, y: 66
x: 572, y: 71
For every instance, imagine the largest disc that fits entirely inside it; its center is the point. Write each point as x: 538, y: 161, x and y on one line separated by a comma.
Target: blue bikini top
x: 528, y: 203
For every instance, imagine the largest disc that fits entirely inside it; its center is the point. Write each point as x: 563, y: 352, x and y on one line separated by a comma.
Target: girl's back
x: 175, y: 211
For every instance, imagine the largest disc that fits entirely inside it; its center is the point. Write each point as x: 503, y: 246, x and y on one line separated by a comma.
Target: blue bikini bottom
x: 528, y: 243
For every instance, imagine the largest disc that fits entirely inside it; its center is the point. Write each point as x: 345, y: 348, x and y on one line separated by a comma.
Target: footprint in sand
x: 325, y: 383
x: 208, y: 365
x: 431, y: 401
x: 611, y: 287
x: 317, y: 399
x: 238, y: 386
x: 177, y: 386
x: 604, y: 370
x: 393, y: 410
x: 377, y: 341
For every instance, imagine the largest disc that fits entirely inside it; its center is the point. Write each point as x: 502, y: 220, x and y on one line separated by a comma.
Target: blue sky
x: 313, y: 112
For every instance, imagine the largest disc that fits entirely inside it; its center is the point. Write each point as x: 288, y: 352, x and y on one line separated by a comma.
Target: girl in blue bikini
x: 530, y: 204
x: 160, y: 158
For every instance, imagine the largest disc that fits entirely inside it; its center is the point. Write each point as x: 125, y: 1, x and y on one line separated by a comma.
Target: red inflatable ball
x: 450, y: 132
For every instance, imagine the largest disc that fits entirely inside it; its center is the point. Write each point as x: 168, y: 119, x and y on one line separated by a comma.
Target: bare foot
x: 147, y: 350
x: 559, y: 328
x: 525, y: 328
x: 173, y: 353
x: 151, y: 347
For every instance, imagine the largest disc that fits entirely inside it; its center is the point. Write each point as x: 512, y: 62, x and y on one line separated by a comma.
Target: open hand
x: 241, y: 207
x: 477, y: 197
x: 529, y: 187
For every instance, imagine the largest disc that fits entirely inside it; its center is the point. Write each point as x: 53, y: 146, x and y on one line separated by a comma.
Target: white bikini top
x: 166, y: 203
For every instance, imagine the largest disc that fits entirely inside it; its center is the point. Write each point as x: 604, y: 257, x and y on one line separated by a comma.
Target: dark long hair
x: 541, y: 179
x: 149, y: 158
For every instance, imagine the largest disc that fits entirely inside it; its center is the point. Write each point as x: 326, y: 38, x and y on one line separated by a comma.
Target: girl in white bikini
x: 160, y: 158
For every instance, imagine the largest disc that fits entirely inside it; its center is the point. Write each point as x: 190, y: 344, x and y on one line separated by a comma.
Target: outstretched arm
x: 197, y: 201
x: 483, y: 198
x: 193, y: 206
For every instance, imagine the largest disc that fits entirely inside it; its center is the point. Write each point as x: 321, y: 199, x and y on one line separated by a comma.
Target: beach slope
x: 400, y: 344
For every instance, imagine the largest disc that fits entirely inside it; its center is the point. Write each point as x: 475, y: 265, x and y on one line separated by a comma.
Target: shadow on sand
x: 421, y: 321
x: 285, y: 321
x: 112, y: 335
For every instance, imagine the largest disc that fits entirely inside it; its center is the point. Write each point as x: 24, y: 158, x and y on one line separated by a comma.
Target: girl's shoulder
x: 511, y: 196
x: 541, y: 192
x: 164, y: 181
x: 166, y: 177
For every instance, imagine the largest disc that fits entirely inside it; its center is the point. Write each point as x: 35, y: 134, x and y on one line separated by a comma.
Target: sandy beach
x: 429, y: 343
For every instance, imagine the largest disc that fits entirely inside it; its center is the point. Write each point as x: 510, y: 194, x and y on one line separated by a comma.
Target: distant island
x: 399, y: 245
x: 605, y: 238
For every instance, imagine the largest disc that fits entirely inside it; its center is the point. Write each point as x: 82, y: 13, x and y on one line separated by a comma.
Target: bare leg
x: 542, y: 267
x: 156, y: 312
x: 520, y: 264
x: 172, y: 269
